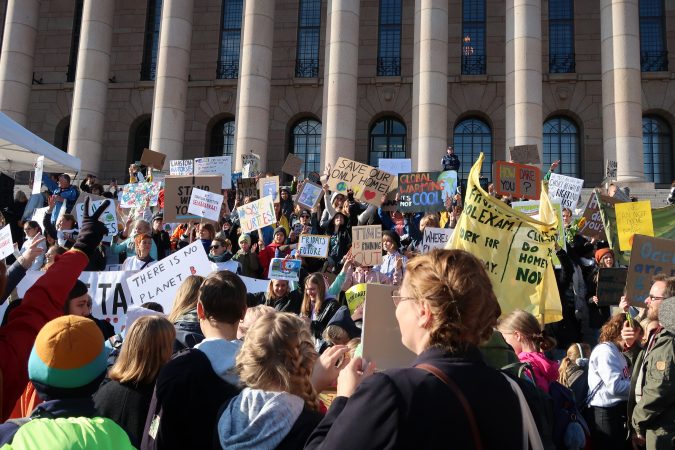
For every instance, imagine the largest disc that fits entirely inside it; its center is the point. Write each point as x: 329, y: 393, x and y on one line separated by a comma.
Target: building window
x: 387, y: 140
x: 309, y: 31
x: 75, y: 41
x: 307, y: 145
x: 153, y: 19
x: 561, y: 36
x: 230, y: 39
x: 222, y: 138
x: 141, y: 139
x: 470, y: 138
x: 62, y: 134
x: 657, y: 147
x: 473, y: 37
x: 389, y: 40
x: 561, y: 143
x: 653, y: 50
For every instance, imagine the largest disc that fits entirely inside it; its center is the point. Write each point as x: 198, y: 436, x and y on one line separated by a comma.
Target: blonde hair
x: 270, y: 291
x: 335, y: 335
x: 570, y: 360
x: 278, y: 354
x: 252, y: 314
x: 147, y: 347
x: 430, y: 220
x: 320, y: 281
x: 186, y: 297
x: 527, y: 325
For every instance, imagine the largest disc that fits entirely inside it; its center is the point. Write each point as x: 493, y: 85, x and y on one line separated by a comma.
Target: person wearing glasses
x: 219, y: 250
x: 33, y: 231
x: 445, y: 309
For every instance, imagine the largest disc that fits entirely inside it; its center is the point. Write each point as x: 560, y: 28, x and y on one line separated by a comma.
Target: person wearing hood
x: 279, y: 296
x: 319, y: 304
x: 277, y: 249
x: 286, y: 202
x: 333, y: 204
x: 340, y: 240
x: 340, y: 330
x: 193, y: 386
x: 183, y: 315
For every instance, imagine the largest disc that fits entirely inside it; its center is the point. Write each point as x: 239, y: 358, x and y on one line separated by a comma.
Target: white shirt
x: 40, y: 260
x: 608, y: 369
x: 133, y: 263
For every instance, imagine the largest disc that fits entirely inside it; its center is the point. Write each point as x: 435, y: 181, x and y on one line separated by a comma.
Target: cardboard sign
x: 6, y: 243
x: 313, y: 245
x: 293, y: 165
x: 355, y: 296
x: 611, y: 285
x: 633, y: 218
x: 251, y: 164
x: 181, y: 167
x: 381, y: 335
x: 256, y: 215
x: 525, y: 154
x: 37, y: 177
x: 108, y: 218
x: 435, y: 238
x: 205, y: 204
x: 610, y: 169
x: 153, y: 159
x: 367, y: 245
x: 160, y: 281
x: 254, y: 285
x: 593, y: 228
x: 284, y: 269
x: 309, y: 195
x: 140, y: 195
x: 247, y: 187
x: 425, y: 191
x: 368, y: 183
x: 177, y: 193
x: 566, y: 189
x: 269, y: 186
x: 518, y: 180
x: 649, y: 256
x: 216, y: 165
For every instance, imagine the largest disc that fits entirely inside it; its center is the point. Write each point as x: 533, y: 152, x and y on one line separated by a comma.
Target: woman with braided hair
x: 278, y: 408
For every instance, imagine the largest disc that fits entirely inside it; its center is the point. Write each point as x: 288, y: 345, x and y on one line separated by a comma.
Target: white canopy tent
x: 19, y: 150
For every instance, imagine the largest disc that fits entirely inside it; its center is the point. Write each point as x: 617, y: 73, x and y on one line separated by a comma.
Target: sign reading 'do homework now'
x: 367, y: 245
x: 181, y: 167
x: 284, y: 269
x: 205, y: 204
x: 425, y: 191
x: 435, y: 238
x: 216, y: 165
x: 6, y: 244
x: 368, y: 183
x: 648, y: 257
x: 518, y: 180
x: 256, y: 215
x: 313, y: 245
x: 566, y: 189
x: 633, y: 218
x: 177, y: 193
x: 593, y: 227
x: 309, y: 195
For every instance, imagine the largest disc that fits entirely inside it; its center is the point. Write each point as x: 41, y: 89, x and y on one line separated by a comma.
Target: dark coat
x: 126, y: 404
x: 188, y: 331
x: 412, y: 409
x: 290, y: 302
x: 162, y: 242
x: 328, y: 309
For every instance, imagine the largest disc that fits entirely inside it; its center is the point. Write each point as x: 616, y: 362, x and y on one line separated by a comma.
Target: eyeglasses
x: 655, y: 298
x: 215, y: 246
x: 398, y: 298
x: 27, y: 229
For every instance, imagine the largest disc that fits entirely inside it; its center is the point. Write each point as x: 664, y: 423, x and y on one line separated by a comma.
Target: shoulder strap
x: 462, y: 400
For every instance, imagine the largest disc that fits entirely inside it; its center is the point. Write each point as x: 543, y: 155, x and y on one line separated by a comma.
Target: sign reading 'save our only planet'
x: 368, y: 183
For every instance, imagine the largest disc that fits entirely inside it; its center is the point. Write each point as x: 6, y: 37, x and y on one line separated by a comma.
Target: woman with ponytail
x: 522, y: 331
x: 574, y: 372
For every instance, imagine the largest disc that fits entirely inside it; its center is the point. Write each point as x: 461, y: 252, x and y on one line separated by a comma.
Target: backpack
x: 570, y: 430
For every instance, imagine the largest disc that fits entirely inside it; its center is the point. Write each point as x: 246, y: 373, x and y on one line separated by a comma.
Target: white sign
x: 251, y: 164
x: 435, y: 238
x: 205, y: 204
x: 395, y: 165
x: 313, y: 245
x: 255, y: 285
x: 230, y: 266
x: 160, y: 280
x: 39, y: 215
x: 216, y: 165
x: 566, y: 189
x: 37, y: 181
x: 181, y: 167
x: 284, y: 269
x: 6, y: 244
x: 108, y: 218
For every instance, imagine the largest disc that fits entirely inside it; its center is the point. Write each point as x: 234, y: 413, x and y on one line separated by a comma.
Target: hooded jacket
x: 188, y: 331
x: 544, y: 369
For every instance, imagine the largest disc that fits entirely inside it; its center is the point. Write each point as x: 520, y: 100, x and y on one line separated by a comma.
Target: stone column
x: 168, y: 108
x: 340, y: 80
x: 91, y: 85
x: 430, y: 84
x: 255, y: 74
x: 621, y: 88
x: 16, y: 61
x: 523, y: 111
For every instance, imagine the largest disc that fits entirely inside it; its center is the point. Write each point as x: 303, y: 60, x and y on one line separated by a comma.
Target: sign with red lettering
x: 517, y: 180
x: 425, y: 191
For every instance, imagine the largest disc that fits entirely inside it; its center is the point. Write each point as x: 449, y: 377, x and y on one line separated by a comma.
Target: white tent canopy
x: 19, y: 150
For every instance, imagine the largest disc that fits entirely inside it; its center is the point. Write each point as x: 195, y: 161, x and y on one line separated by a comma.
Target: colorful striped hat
x: 68, y: 354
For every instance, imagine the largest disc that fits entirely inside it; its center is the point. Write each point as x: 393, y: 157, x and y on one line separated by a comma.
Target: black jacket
x: 188, y: 331
x: 290, y: 302
x: 328, y: 309
x: 125, y: 404
x: 162, y: 242
x: 412, y: 409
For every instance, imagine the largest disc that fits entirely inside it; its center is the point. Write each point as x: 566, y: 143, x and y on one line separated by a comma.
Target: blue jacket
x: 411, y: 226
x: 70, y: 194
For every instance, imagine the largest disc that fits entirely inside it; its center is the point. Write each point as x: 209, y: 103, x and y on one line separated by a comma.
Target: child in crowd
x: 246, y: 257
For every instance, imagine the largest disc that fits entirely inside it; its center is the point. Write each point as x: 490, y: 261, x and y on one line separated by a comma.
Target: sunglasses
x: 215, y: 246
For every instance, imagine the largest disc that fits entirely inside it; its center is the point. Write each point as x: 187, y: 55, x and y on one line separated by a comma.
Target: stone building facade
x: 405, y: 77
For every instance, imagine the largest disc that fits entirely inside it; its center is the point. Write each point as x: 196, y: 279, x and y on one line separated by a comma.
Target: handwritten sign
x: 423, y: 191
x: 177, y: 193
x: 269, y: 186
x: 518, y: 180
x: 284, y: 269
x: 649, y: 256
x: 309, y: 195
x: 37, y: 179
x: 256, y: 215
x: 247, y: 187
x: 6, y: 244
x: 108, y: 218
x: 216, y: 165
x: 593, y: 227
x: 313, y: 245
x: 633, y: 218
x: 367, y: 245
x: 153, y: 159
x: 181, y: 167
x: 293, y: 165
x: 251, y: 164
x: 367, y: 182
x: 611, y: 284
x: 355, y: 296
x: 566, y: 189
x: 140, y: 195
x: 435, y: 238
x: 525, y: 154
x: 205, y: 204
x: 610, y: 169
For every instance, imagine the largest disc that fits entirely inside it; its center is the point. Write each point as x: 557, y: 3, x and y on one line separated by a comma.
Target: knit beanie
x: 245, y: 237
x: 394, y: 237
x: 281, y: 230
x: 599, y: 253
x: 68, y: 359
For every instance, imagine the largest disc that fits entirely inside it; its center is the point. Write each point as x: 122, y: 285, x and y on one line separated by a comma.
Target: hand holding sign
x: 91, y: 229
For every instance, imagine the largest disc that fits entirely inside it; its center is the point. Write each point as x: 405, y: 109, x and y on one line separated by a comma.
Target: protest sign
x: 140, y: 195
x: 269, y: 186
x: 395, y: 166
x: 254, y: 285
x: 367, y: 245
x: 313, y: 245
x: 108, y: 218
x: 37, y: 177
x: 39, y: 215
x: 256, y: 215
x: 177, y: 193
x: 293, y: 165
x: 593, y: 227
x: 381, y: 335
x: 649, y: 256
x: 309, y: 195
x: 181, y: 167
x: 531, y: 208
x: 517, y: 180
x: 216, y: 165
x: 230, y: 266
x: 160, y: 280
x: 633, y: 218
x: 284, y: 269
x: 515, y: 248
x: 435, y: 238
x: 424, y: 191
x: 6, y: 244
x: 251, y: 163
x: 355, y: 296
x: 236, y: 176
x: 247, y: 187
x: 205, y: 204
x: 610, y: 169
x: 611, y: 285
x: 525, y: 154
x: 153, y: 159
x: 368, y: 183
x: 566, y: 189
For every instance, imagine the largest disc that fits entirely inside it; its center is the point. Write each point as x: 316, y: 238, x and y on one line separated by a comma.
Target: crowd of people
x: 227, y: 368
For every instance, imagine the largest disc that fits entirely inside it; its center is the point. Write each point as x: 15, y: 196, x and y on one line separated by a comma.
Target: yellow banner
x: 355, y: 296
x: 516, y: 249
x: 633, y: 218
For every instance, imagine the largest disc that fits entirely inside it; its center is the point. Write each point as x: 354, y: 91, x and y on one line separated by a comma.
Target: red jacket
x: 267, y: 254
x: 43, y: 302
